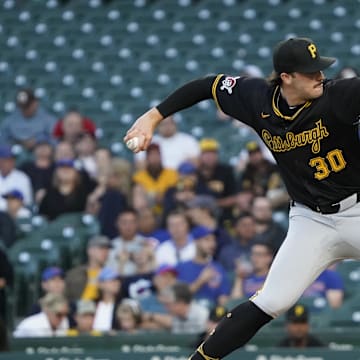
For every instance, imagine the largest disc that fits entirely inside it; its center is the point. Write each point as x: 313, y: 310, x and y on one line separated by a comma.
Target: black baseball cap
x: 217, y: 313
x: 299, y: 55
x: 297, y: 314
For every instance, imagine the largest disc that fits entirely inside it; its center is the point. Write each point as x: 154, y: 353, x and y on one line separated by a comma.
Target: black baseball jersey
x: 317, y: 147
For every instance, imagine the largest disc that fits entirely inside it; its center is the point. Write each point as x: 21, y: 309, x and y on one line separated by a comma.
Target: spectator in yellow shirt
x: 155, y: 179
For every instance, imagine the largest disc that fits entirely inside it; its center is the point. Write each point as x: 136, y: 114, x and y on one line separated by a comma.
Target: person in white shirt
x: 109, y: 285
x: 51, y: 321
x: 180, y: 247
x: 127, y: 244
x: 184, y: 316
x: 12, y: 178
x: 176, y: 146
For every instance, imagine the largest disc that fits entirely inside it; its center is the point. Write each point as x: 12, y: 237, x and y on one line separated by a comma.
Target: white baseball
x: 133, y: 143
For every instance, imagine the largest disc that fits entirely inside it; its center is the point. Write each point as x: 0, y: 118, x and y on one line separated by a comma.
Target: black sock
x: 234, y: 331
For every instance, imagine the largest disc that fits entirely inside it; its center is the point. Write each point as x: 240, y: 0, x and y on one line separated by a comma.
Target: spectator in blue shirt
x: 246, y: 285
x: 239, y: 249
x: 207, y: 278
x: 329, y: 286
x: 29, y: 123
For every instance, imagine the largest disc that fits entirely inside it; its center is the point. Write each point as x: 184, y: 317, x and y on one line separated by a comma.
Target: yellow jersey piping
x: 278, y: 112
x: 213, y: 90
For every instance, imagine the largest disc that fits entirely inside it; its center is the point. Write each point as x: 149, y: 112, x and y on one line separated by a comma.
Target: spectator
x: 184, y: 316
x: 185, y: 190
x: 6, y: 280
x: 15, y: 205
x: 127, y: 244
x: 72, y: 126
x: 51, y: 321
x: 329, y: 286
x: 164, y: 276
x: 29, y: 123
x: 218, y: 177
x: 260, y: 174
x: 155, y: 178
x: 7, y: 230
x: 106, y: 202
x: 12, y: 178
x: 109, y: 285
x: 103, y: 160
x: 180, y: 247
x: 243, y: 203
x: 207, y: 278
x: 52, y: 282
x: 237, y: 253
x: 69, y: 191
x: 40, y: 169
x: 129, y: 316
x: 298, y: 329
x: 64, y: 150
x: 85, y: 148
x: 267, y: 229
x: 246, y: 284
x: 84, y: 319
x: 120, y: 175
x: 149, y: 227
x: 170, y: 141
x: 203, y: 211
x: 81, y: 281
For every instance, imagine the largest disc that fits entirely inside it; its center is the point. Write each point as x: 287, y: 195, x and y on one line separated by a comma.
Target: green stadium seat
x: 26, y: 279
x: 350, y: 273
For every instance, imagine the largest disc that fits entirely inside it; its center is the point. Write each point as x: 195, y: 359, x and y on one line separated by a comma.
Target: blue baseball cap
x: 200, y: 232
x: 166, y: 268
x: 65, y: 163
x: 6, y: 152
x: 186, y: 168
x: 108, y: 274
x: 51, y: 272
x: 16, y: 194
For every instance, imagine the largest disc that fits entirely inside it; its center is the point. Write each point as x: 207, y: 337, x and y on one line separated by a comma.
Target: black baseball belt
x: 342, y: 205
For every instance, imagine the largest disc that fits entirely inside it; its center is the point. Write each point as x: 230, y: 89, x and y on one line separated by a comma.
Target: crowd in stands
x: 182, y: 233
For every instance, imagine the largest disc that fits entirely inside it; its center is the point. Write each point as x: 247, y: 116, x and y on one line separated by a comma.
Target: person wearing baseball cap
x: 15, y: 205
x: 297, y: 328
x: 52, y: 282
x: 84, y: 319
x: 109, y: 284
x: 82, y: 280
x: 206, y: 277
x: 299, y: 55
x: 28, y: 123
x: 12, y: 178
x: 310, y: 125
x: 217, y: 176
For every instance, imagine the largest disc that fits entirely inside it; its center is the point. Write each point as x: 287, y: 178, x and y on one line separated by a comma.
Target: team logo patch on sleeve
x: 228, y: 83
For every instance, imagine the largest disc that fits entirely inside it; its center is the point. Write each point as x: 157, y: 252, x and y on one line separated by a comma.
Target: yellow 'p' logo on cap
x: 312, y: 50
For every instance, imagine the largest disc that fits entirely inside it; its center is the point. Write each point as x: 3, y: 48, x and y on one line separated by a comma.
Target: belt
x: 332, y: 208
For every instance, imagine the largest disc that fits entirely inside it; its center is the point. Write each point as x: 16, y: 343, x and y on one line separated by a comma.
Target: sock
x: 234, y: 331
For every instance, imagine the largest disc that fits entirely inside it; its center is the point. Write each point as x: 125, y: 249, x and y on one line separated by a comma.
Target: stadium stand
x: 114, y: 59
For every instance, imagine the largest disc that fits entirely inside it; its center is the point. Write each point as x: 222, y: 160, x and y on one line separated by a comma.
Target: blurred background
x: 74, y: 75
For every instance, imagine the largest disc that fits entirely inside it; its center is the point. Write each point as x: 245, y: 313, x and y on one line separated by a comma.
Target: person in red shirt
x: 73, y: 125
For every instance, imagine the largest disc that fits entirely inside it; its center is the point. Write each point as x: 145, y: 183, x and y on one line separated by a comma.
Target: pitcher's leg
x: 311, y: 245
x: 306, y: 251
x: 234, y: 331
x: 347, y: 224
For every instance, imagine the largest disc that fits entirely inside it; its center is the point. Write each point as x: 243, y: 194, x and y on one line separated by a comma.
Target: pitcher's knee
x: 273, y: 306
